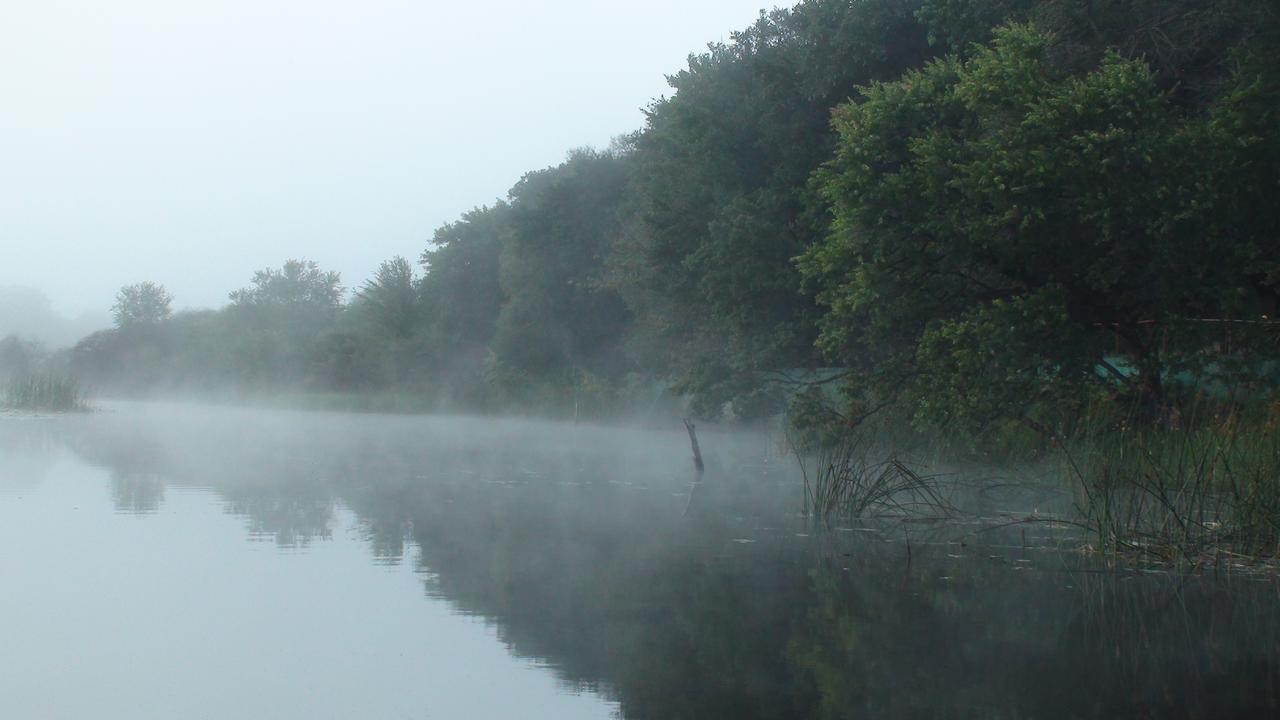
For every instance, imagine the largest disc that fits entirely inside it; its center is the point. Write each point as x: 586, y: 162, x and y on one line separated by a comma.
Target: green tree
x: 275, y: 322
x: 389, y: 300
x: 720, y: 200
x: 461, y: 298
x: 1185, y: 42
x: 1008, y: 235
x: 144, y: 304
x: 956, y: 25
x: 559, y: 316
x: 298, y: 285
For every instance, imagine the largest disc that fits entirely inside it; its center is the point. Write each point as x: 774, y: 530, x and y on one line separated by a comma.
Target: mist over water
x: 177, y: 560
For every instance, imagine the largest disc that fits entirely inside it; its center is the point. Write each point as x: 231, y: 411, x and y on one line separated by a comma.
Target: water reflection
x: 289, y: 520
x: 579, y: 547
x: 136, y: 492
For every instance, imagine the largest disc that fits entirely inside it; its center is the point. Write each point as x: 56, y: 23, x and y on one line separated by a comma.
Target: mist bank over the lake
x: 193, y: 439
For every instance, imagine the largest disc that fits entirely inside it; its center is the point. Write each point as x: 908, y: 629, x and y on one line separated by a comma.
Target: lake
x: 168, y: 560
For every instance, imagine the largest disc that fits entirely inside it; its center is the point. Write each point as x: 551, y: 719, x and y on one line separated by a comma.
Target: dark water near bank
x: 167, y: 561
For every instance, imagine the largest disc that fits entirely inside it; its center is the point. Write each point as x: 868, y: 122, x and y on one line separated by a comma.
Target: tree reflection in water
x: 575, y: 544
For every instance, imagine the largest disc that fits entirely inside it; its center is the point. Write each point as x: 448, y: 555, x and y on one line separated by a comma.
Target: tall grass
x: 44, y: 391
x: 851, y: 475
x: 1206, y: 486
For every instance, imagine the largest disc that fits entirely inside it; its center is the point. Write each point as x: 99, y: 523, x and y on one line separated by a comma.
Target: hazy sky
x: 192, y: 142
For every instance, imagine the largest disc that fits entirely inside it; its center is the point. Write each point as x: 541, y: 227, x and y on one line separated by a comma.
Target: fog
x: 28, y: 313
x: 193, y: 143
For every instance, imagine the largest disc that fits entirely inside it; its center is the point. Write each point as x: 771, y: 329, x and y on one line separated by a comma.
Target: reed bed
x: 51, y: 392
x: 1188, y: 492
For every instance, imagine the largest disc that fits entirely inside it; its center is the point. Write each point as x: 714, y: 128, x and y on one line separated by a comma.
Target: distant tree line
x: 965, y: 211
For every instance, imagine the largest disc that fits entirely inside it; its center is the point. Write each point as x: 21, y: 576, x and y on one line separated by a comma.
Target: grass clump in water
x: 849, y: 476
x: 44, y: 391
x: 1189, y: 491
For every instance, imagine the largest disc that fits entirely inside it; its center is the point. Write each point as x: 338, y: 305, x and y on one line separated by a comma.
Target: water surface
x: 174, y: 561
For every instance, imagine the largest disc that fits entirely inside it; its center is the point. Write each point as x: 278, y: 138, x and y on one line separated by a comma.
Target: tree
x: 390, y: 299
x: 1183, y: 41
x: 298, y: 284
x: 720, y: 201
x: 275, y: 323
x: 560, y: 316
x: 461, y: 292
x: 145, y: 304
x: 1008, y: 235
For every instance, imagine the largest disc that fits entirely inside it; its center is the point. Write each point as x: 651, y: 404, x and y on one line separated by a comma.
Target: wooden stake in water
x: 693, y: 441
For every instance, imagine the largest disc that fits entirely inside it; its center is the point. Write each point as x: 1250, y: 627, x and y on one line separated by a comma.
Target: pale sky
x: 192, y: 142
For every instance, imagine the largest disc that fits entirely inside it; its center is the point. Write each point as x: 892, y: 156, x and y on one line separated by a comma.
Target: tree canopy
x: 720, y: 199
x: 1006, y: 231
x: 140, y: 305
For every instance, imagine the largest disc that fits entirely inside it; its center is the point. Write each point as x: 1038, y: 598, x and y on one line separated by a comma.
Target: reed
x: 1200, y: 488
x: 851, y: 475
x: 44, y: 391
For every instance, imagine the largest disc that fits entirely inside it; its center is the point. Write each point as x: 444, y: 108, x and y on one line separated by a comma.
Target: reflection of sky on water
x: 173, y: 615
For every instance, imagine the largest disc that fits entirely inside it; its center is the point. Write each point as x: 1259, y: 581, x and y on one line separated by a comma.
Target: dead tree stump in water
x: 693, y: 441
x: 697, y: 466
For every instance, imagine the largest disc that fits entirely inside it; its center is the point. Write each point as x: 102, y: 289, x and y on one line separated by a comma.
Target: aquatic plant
x: 850, y: 475
x: 1204, y: 487
x: 43, y: 391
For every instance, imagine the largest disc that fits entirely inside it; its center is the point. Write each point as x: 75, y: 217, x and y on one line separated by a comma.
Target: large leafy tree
x: 1183, y: 41
x: 276, y: 321
x: 389, y: 300
x: 378, y: 339
x: 461, y: 296
x: 299, y: 285
x: 559, y: 316
x: 720, y: 199
x: 144, y: 304
x: 1007, y: 233
x: 956, y: 25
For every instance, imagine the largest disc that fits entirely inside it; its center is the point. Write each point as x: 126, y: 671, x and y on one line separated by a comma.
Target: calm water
x: 168, y: 561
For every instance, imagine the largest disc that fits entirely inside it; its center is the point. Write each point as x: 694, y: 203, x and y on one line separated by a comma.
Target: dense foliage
x: 973, y: 212
x: 1008, y: 233
x: 145, y: 303
x: 721, y: 202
